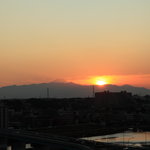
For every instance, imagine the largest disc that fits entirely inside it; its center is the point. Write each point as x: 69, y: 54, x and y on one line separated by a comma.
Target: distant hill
x: 63, y: 90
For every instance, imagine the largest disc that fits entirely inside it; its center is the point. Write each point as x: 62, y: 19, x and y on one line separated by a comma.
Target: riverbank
x: 82, y: 130
x: 89, y: 130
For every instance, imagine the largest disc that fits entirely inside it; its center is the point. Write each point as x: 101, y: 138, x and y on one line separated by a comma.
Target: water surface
x: 126, y: 138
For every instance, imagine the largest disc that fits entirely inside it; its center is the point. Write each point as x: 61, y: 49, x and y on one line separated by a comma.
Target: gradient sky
x: 74, y: 40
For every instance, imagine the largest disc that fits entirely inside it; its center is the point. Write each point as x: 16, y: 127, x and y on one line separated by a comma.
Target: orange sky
x: 136, y: 80
x: 75, y: 41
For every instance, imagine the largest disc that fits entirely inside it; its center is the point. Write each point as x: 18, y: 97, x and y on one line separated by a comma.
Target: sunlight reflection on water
x: 126, y: 138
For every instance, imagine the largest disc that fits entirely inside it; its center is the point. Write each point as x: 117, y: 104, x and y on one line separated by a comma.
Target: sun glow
x: 100, y: 82
x: 95, y: 80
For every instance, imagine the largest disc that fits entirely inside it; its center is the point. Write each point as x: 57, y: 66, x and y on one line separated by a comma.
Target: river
x: 124, y: 138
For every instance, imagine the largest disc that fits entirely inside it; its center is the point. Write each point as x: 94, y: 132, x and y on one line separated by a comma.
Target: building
x: 113, y: 99
x: 3, y: 116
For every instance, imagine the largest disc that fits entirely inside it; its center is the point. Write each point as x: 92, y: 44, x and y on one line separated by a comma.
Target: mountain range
x: 63, y: 90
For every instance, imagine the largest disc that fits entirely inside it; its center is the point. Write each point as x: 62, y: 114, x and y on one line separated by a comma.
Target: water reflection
x: 125, y: 138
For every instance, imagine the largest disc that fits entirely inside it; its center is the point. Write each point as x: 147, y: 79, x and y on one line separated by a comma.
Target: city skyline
x: 75, y: 41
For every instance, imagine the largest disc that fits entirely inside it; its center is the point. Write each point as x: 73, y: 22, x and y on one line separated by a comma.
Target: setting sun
x: 101, y: 83
x: 96, y: 80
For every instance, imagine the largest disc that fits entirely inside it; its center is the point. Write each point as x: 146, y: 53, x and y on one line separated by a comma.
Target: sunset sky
x: 75, y: 40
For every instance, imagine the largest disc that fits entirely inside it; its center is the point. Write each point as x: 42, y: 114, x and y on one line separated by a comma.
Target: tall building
x: 111, y: 99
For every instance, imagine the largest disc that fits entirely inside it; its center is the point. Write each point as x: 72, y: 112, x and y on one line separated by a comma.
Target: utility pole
x: 93, y: 90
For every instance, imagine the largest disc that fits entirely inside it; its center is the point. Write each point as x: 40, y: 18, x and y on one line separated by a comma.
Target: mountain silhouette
x: 63, y: 90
